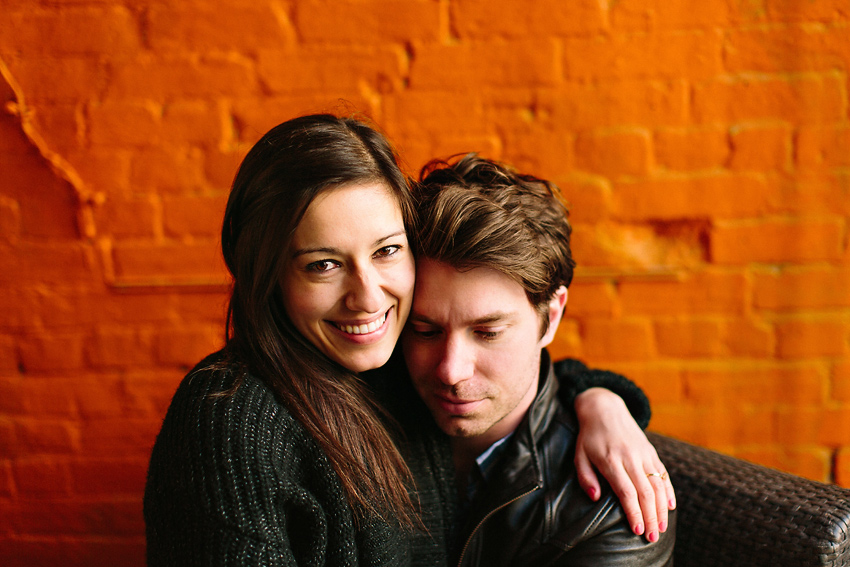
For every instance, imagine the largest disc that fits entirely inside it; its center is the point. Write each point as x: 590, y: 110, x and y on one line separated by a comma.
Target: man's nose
x: 365, y: 294
x: 457, y: 363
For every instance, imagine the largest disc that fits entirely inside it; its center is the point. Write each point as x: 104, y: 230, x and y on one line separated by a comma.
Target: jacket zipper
x: 485, y: 518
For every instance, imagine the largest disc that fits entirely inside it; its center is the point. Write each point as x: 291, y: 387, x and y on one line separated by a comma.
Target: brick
x: 209, y: 307
x: 626, y: 248
x: 693, y: 54
x: 655, y: 103
x: 186, y: 346
x: 461, y: 113
x: 802, y: 288
x: 108, y: 477
x: 109, y: 166
x: 617, y: 340
x: 44, y: 437
x: 614, y: 153
x: 776, y: 241
x: 815, y: 194
x: 761, y: 149
x: 193, y: 216
x: 531, y: 63
x: 120, y: 437
x: 681, y: 149
x: 6, y: 484
x: 198, y: 26
x: 199, y: 262
x: 747, y: 338
x: 73, y: 30
x: 41, y: 478
x: 786, y: 49
x: 23, y: 551
x: 195, y: 123
x: 588, y: 197
x: 823, y: 10
x: 715, y: 427
x: 797, y: 99
x: 78, y: 518
x: 661, y: 382
x: 148, y: 396
x: 698, y: 293
x: 75, y: 307
x: 588, y: 299
x: 128, y: 218
x: 811, y: 463
x: 841, y: 382
x: 111, y: 347
x: 842, y: 467
x: 340, y: 68
x: 384, y: 21
x: 537, y: 149
x: 154, y: 77
x: 10, y: 220
x: 133, y: 124
x: 48, y: 399
x: 745, y: 386
x: 689, y: 339
x: 812, y: 338
x: 657, y: 14
x: 220, y: 167
x: 56, y: 78
x: 8, y: 356
x: 711, y: 196
x: 477, y: 19
x: 823, y: 147
x: 813, y: 426
x: 167, y: 170
x: 567, y: 342
x: 50, y: 353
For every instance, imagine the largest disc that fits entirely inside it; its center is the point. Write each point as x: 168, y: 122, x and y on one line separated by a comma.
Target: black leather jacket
x: 532, y: 511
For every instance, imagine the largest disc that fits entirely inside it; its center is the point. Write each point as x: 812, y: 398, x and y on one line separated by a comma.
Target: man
x: 493, y: 269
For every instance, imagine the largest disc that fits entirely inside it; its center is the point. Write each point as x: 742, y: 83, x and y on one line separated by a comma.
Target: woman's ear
x: 555, y: 311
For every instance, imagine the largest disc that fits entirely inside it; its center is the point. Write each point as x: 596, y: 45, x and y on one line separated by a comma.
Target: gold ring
x: 662, y: 476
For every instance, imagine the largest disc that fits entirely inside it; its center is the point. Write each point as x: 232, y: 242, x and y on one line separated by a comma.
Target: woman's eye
x: 387, y: 251
x: 321, y: 266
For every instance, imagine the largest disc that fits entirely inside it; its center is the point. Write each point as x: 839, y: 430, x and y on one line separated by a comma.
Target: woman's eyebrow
x: 332, y: 251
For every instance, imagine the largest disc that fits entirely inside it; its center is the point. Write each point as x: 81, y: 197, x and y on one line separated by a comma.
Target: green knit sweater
x: 236, y: 480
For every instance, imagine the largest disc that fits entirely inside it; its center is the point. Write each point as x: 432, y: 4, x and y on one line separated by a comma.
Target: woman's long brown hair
x: 277, y: 181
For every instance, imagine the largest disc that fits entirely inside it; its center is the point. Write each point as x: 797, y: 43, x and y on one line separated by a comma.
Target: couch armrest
x: 735, y: 513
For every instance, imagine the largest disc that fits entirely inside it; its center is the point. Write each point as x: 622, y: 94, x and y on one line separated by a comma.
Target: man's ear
x: 555, y: 311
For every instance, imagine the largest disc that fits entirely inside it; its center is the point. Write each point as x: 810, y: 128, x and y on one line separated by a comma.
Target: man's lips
x: 456, y: 406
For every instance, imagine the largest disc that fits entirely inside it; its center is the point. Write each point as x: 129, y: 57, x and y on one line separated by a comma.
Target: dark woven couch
x: 735, y: 513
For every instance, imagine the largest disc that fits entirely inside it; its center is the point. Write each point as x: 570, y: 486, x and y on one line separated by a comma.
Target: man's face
x: 472, y: 345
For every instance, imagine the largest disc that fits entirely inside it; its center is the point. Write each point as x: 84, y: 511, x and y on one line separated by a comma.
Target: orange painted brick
x: 796, y: 99
x: 40, y: 437
x: 191, y: 123
x: 637, y: 248
x: 661, y: 382
x: 70, y: 79
x: 445, y: 112
x: 10, y: 219
x: 102, y: 166
x: 777, y: 241
x: 147, y: 394
x: 166, y: 170
x: 107, y: 477
x: 24, y: 551
x: 538, y: 149
x: 689, y: 339
x: 105, y: 396
x: 332, y: 68
x: 801, y: 288
x: 198, y: 26
x: 384, y: 21
x: 713, y: 196
x: 742, y: 386
x: 823, y: 147
x: 783, y: 49
x: 531, y: 63
x: 822, y: 10
x: 73, y: 30
x: 119, y: 437
x: 814, y: 426
x: 160, y: 78
x: 162, y: 263
x: 714, y: 426
x: 841, y: 381
x: 816, y: 193
x: 125, y: 124
x: 52, y: 399
x: 119, y: 348
x: 842, y: 467
x: 8, y: 356
x: 691, y: 54
x: 758, y: 148
x: 79, y: 518
x: 567, y: 343
x: 6, y: 480
x: 206, y: 307
x: 808, y: 338
x: 49, y: 353
x: 477, y: 18
x: 691, y: 149
x: 699, y: 293
x: 747, y: 338
x: 587, y: 299
x: 617, y: 340
x: 588, y: 197
x: 187, y: 346
x: 128, y: 218
x: 220, y: 167
x: 42, y: 477
x: 812, y: 463
x: 614, y: 153
x: 658, y: 14
x: 193, y: 216
x: 8, y: 437
x: 631, y: 103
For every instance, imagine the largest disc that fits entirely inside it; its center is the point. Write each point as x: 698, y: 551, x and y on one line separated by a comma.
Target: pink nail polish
x: 662, y: 527
x: 638, y: 529
x: 671, y: 504
x: 592, y: 493
x: 653, y: 537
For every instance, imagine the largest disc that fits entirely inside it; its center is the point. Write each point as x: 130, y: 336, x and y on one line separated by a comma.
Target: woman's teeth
x: 363, y: 329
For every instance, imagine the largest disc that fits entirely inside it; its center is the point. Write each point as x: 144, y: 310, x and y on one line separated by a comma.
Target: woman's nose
x: 365, y: 293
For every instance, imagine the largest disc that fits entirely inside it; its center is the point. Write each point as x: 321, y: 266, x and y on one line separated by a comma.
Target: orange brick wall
x: 704, y: 146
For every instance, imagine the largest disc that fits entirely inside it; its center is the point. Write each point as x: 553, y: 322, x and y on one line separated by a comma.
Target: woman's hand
x: 610, y: 441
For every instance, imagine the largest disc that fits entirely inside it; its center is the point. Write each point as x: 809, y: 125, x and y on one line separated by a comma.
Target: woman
x: 272, y: 451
